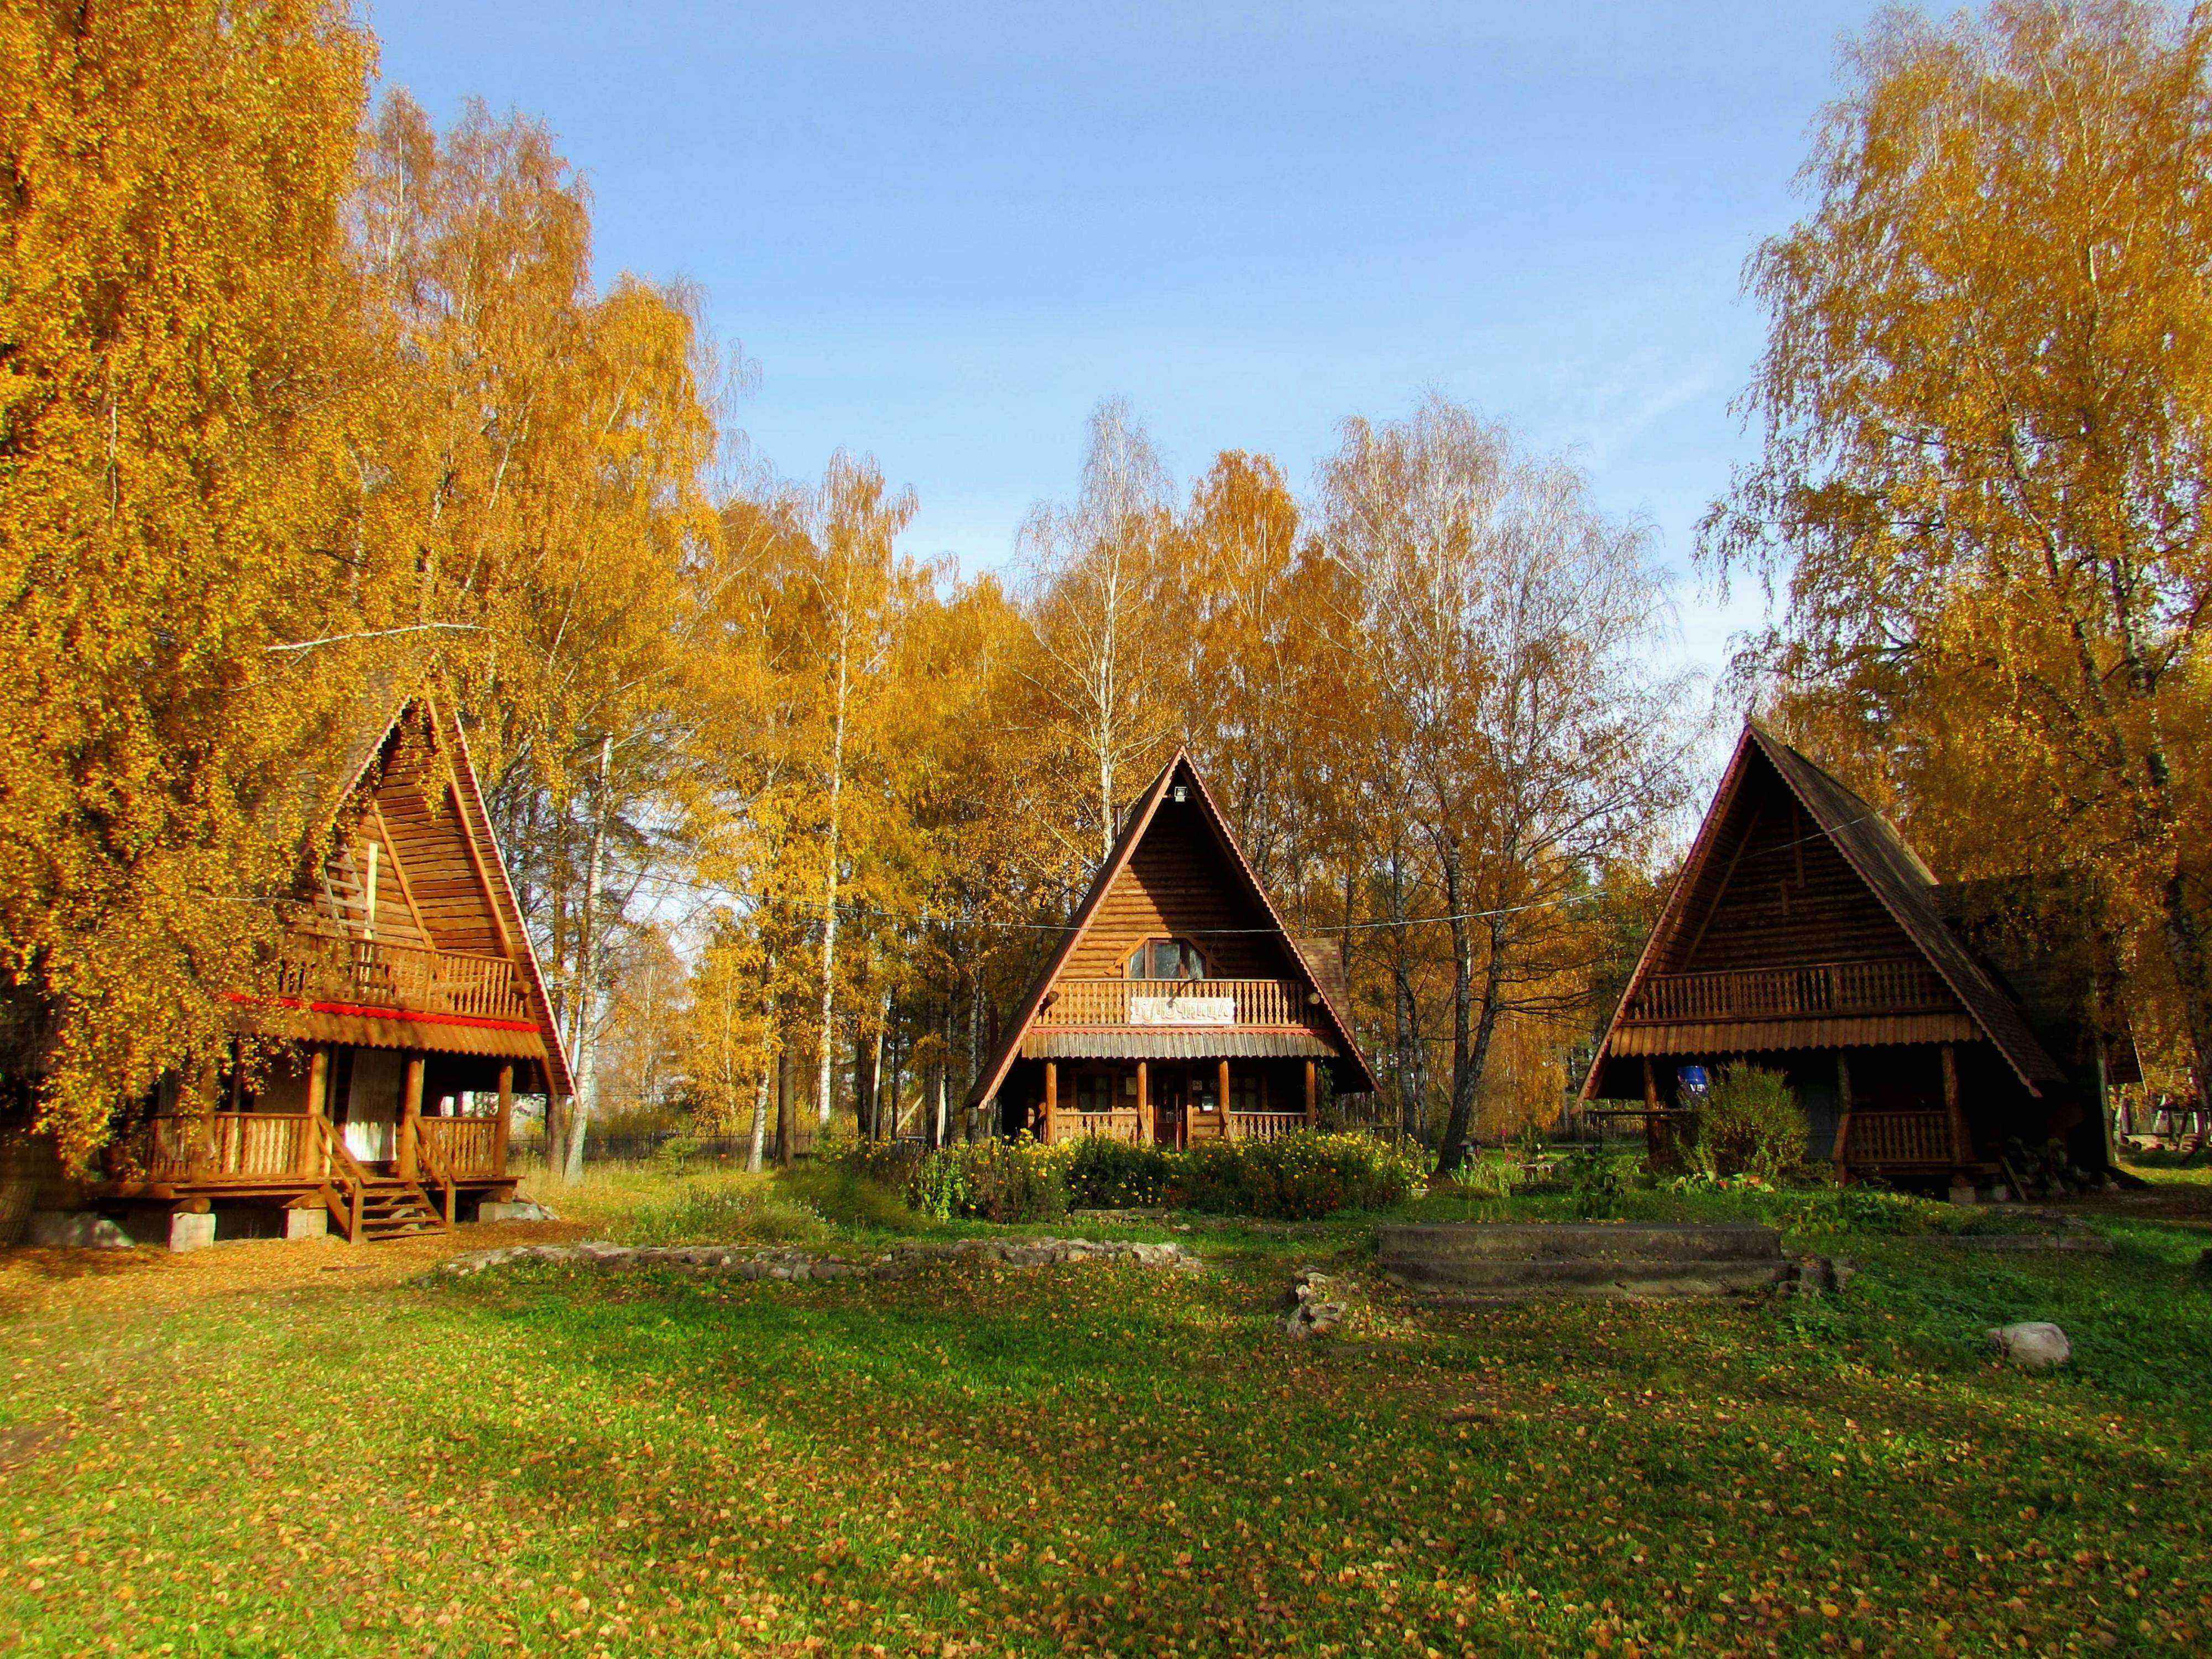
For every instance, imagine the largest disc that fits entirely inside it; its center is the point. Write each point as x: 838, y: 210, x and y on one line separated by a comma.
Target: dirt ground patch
x: 33, y: 1280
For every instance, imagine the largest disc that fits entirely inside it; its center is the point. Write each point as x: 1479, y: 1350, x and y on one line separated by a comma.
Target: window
x: 1248, y: 1092
x: 1166, y: 958
x: 1094, y: 1092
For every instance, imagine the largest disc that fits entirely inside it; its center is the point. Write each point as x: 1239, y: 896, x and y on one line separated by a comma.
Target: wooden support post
x: 410, y: 1117
x: 1222, y: 1102
x: 1843, y: 1109
x: 1313, y: 1093
x: 1962, y: 1145
x: 504, y: 1125
x: 1051, y: 1100
x: 1146, y: 1129
x: 207, y: 1159
x: 310, y: 1137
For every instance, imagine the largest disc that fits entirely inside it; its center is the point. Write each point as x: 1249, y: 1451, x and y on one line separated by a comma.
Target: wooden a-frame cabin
x: 409, y: 1008
x: 1178, y: 1008
x: 1922, y: 1036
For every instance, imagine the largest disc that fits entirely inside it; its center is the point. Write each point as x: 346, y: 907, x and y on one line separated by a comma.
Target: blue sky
x: 944, y: 232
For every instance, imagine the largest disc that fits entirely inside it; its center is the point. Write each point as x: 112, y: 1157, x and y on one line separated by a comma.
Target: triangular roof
x: 1892, y: 872
x: 1140, y: 820
x: 360, y: 761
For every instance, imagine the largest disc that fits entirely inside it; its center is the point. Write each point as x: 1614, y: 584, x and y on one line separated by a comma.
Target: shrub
x: 1593, y: 1177
x: 1298, y: 1177
x: 1116, y: 1174
x: 1749, y: 1123
x: 890, y: 1163
x: 999, y: 1181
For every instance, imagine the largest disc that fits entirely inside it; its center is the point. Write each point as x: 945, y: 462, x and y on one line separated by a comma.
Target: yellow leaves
x: 1987, y: 403
x: 178, y: 416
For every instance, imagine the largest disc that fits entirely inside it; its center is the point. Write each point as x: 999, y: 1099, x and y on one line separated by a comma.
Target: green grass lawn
x: 288, y: 1452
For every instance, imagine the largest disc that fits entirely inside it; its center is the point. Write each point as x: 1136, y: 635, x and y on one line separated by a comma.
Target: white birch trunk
x: 829, y: 880
x: 584, y: 1049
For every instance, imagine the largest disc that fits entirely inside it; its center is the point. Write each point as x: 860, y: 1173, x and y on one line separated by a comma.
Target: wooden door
x: 1171, y: 1093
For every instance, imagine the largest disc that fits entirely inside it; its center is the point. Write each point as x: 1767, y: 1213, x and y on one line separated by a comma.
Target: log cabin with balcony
x: 1177, y: 1008
x: 1926, y: 1028
x: 403, y: 1013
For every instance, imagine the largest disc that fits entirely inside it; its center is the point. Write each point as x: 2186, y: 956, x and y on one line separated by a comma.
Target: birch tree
x: 182, y: 542
x: 1104, y: 649
x: 1986, y: 400
x: 1506, y: 623
x: 858, y: 521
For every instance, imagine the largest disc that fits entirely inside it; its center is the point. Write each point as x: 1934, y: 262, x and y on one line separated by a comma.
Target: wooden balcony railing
x: 405, y: 977
x: 468, y: 1147
x: 1897, y: 1138
x: 1815, y: 990
x: 1264, y: 1125
x: 1142, y: 1002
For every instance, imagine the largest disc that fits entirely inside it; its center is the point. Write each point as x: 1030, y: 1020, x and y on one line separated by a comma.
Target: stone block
x: 2032, y: 1345
x: 519, y: 1209
x: 78, y: 1230
x: 188, y: 1232
x: 307, y: 1224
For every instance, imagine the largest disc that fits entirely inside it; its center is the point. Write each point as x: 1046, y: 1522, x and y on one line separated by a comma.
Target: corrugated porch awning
x: 1175, y: 1045
x: 503, y: 1040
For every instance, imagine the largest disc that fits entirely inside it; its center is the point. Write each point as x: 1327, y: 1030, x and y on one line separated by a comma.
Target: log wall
x: 1179, y: 883
x: 1777, y: 893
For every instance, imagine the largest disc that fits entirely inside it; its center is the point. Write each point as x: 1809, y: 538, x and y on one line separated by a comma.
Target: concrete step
x: 1505, y: 1260
x: 1521, y: 1240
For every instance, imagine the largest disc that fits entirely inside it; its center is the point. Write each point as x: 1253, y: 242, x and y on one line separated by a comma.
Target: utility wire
x: 854, y: 909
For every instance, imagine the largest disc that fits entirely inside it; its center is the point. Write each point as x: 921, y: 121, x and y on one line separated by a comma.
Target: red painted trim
x: 471, y: 1021
x: 1111, y: 1030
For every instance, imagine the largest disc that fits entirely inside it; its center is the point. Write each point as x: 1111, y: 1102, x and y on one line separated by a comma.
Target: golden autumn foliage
x: 334, y: 407
x: 180, y: 511
x: 1987, y: 403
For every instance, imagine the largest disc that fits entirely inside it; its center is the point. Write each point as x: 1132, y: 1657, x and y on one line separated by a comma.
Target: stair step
x: 1578, y: 1241
x: 393, y: 1208
x: 1476, y: 1261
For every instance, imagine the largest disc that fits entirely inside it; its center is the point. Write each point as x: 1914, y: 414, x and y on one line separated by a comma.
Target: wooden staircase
x: 393, y: 1208
x: 368, y: 1207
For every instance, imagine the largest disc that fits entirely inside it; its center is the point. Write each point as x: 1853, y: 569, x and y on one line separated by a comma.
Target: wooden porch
x: 1176, y: 1101
x: 1129, y: 1126
x: 300, y: 1159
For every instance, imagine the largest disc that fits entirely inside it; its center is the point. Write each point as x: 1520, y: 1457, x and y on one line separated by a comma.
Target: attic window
x: 1166, y: 958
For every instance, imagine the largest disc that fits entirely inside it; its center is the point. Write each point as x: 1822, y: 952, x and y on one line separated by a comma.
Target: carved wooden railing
x: 1897, y: 1138
x: 469, y: 1146
x: 1148, y: 1002
x: 1111, y: 1126
x: 1816, y: 989
x: 345, y: 1181
x: 233, y: 1144
x: 1264, y: 1125
x: 410, y: 978
x: 432, y: 1170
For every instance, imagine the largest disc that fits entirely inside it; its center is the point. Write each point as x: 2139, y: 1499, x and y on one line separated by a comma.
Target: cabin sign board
x: 1178, y: 1010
